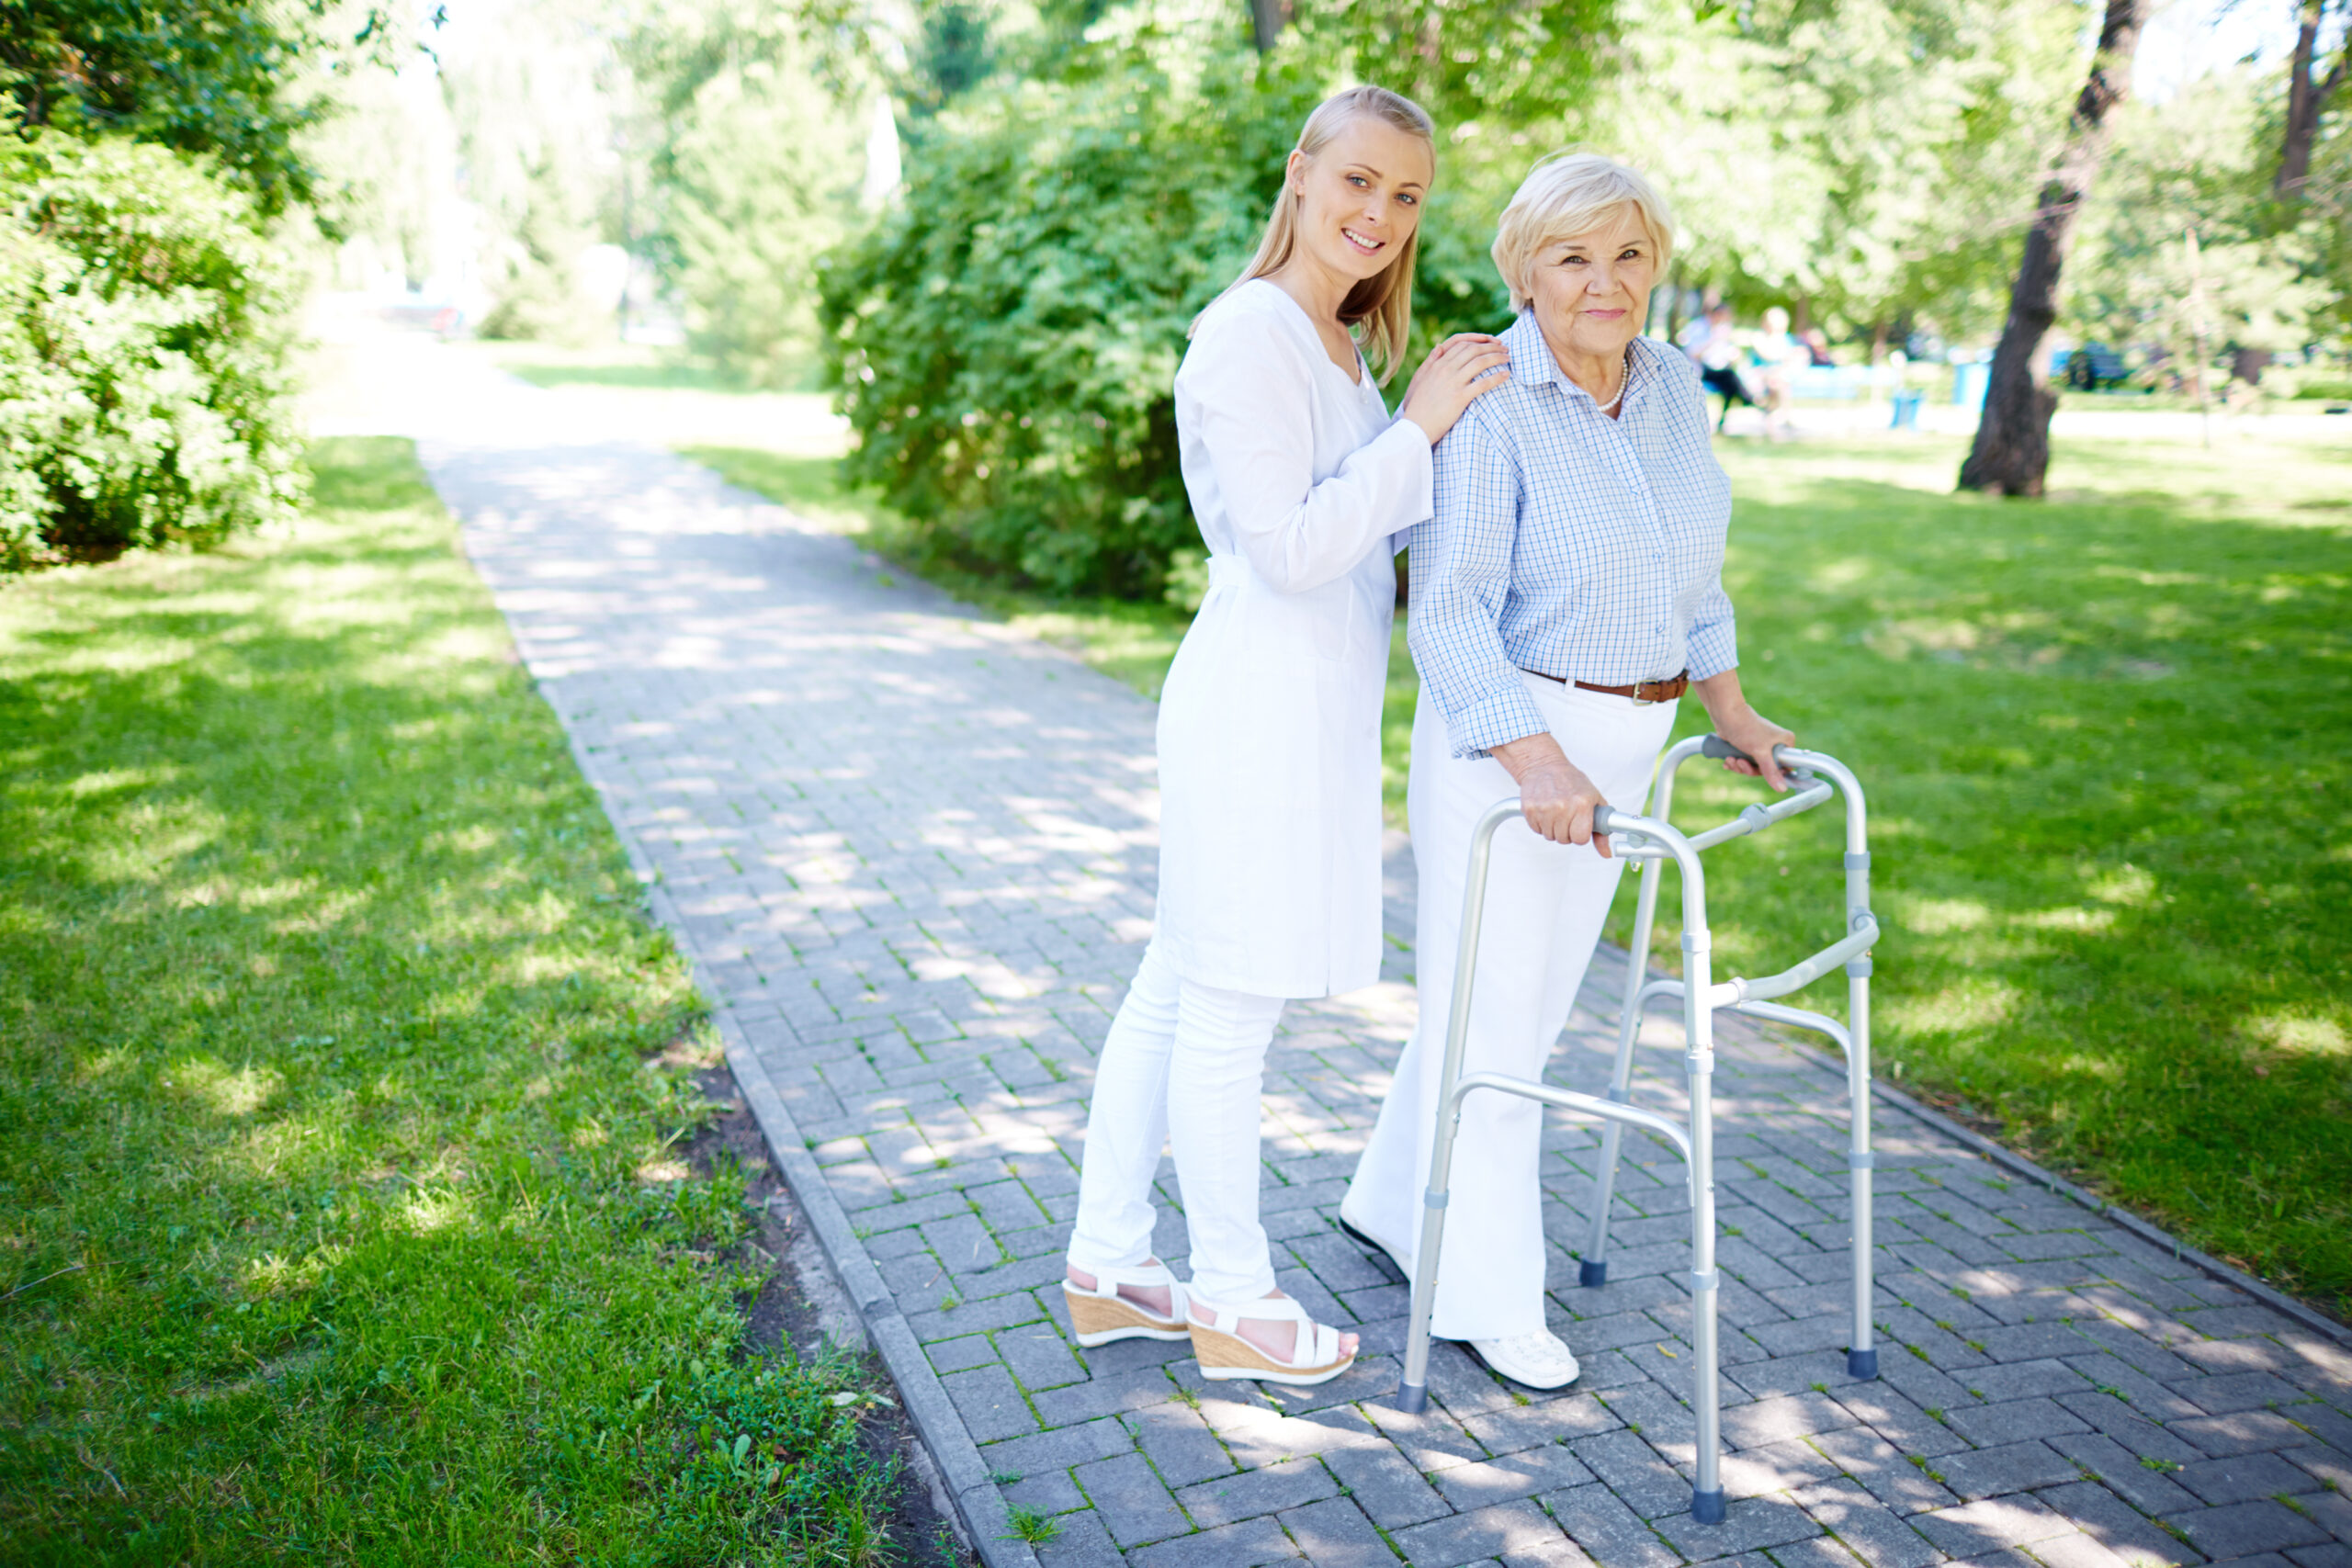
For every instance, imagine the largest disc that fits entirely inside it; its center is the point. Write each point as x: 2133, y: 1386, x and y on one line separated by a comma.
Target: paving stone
x: 1749, y: 1524
x: 1256, y: 1491
x: 1792, y: 1416
x: 2146, y: 1487
x: 2121, y: 1529
x: 2011, y: 1467
x: 1385, y: 1486
x: 1597, y: 1520
x: 1634, y: 1471
x: 1179, y: 1445
x: 1523, y: 1427
x: 1131, y: 1501
x: 2241, y: 1478
x: 1334, y: 1533
x: 2245, y: 1432
x: 1487, y: 1533
x: 1990, y: 1524
x: 2077, y: 1550
x: 1080, y: 1541
x: 1520, y: 1475
x: 1885, y: 1471
x: 2240, y: 1529
x: 1784, y: 1466
x: 991, y: 1403
x: 1239, y: 1545
x: 2018, y: 1420
x: 2330, y: 1554
x: 1820, y: 1551
x: 1866, y: 1526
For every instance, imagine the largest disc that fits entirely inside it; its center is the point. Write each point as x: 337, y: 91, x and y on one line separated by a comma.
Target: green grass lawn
x: 342, y: 1086
x: 2107, y: 742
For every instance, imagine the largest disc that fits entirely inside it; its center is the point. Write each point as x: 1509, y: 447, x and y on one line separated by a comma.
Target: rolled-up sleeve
x: 1715, y: 642
x: 1461, y: 578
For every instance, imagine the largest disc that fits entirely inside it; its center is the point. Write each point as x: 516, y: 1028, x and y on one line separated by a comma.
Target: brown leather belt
x: 1665, y: 691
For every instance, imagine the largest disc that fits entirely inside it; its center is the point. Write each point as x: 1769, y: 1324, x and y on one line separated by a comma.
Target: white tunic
x: 1270, y: 721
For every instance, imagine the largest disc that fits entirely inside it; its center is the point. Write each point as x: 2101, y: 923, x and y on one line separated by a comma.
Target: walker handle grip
x: 1716, y: 746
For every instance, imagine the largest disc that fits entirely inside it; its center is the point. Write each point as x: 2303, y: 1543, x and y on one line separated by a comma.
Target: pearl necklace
x: 1621, y: 378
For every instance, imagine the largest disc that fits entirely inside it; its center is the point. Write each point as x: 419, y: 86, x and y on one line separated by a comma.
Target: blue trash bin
x: 1970, y: 383
x: 1906, y: 409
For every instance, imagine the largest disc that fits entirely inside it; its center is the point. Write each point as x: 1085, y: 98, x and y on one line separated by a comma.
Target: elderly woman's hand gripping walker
x: 1270, y: 733
x: 1565, y: 593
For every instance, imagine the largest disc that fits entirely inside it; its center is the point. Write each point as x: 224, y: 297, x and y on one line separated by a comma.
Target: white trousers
x: 1184, y: 1065
x: 1545, y: 906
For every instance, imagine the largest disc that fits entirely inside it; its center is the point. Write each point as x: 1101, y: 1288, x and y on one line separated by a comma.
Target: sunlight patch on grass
x: 2301, y: 1035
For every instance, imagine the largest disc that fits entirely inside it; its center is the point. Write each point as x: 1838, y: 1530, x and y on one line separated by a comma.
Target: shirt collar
x: 1532, y: 363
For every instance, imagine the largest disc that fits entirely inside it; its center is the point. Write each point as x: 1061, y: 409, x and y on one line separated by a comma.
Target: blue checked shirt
x: 1568, y: 543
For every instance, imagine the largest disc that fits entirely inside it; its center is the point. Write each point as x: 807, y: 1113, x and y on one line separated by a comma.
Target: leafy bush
x: 143, y: 386
x: 1007, y: 335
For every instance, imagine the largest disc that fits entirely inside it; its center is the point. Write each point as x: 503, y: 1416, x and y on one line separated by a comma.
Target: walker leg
x: 1707, y: 1495
x: 1413, y: 1388
x: 1592, y: 1269
x: 1861, y: 1356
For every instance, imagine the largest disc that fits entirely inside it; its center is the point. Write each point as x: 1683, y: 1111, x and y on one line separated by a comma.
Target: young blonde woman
x: 1269, y: 734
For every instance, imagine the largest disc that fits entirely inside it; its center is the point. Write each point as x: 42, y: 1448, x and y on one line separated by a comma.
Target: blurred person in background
x: 1717, y: 353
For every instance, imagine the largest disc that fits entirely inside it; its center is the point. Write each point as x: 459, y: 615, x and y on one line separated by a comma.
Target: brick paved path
x: 914, y: 854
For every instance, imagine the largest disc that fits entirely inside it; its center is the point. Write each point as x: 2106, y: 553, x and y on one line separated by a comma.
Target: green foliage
x: 213, y: 76
x: 1499, y: 62
x: 341, y: 1078
x: 1876, y: 158
x: 144, y: 388
x: 2196, y: 162
x: 1007, y: 336
x: 757, y: 171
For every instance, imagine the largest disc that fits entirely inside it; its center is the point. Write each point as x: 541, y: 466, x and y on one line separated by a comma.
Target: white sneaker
x: 1538, y: 1360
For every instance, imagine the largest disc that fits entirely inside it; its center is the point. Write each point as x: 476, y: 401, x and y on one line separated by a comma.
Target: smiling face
x: 1360, y: 197
x: 1591, y: 291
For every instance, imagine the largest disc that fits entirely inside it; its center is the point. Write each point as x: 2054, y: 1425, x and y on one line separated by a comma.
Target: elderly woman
x: 1565, y: 593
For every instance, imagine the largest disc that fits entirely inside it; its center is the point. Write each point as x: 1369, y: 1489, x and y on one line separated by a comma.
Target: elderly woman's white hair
x: 1567, y: 194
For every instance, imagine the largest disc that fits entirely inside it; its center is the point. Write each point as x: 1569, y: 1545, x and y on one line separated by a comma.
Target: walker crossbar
x: 1650, y: 840
x: 1819, y: 774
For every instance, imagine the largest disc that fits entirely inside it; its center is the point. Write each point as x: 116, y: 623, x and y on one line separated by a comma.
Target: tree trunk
x: 2011, y: 454
x: 2306, y: 101
x: 1266, y: 23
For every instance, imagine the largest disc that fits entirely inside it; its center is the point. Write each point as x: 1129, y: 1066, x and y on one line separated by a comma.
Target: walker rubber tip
x: 1592, y: 1275
x: 1707, y: 1507
x: 1412, y: 1398
x: 1862, y: 1364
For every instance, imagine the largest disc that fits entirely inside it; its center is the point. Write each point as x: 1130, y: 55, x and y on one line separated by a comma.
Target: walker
x: 1651, y: 840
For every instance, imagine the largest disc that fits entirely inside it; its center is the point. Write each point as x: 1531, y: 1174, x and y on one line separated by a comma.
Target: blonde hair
x: 1379, y: 310
x: 1567, y: 194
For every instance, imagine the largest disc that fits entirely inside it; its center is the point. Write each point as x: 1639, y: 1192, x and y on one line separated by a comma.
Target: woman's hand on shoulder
x: 1464, y: 366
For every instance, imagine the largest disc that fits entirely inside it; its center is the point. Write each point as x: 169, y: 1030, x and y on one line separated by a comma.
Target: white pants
x: 1183, y: 1064
x: 1545, y: 905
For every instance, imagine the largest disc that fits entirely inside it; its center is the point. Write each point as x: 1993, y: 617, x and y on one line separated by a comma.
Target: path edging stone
x: 979, y: 1506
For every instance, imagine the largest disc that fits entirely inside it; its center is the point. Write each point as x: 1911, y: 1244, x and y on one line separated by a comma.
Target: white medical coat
x: 1270, y: 721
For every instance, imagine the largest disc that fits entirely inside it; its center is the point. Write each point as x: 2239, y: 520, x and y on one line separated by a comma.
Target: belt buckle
x: 1640, y: 701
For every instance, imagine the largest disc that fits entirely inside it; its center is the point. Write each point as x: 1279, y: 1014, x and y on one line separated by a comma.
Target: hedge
x: 144, y: 328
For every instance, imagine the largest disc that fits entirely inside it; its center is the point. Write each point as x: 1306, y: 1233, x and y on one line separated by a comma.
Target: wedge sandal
x: 1315, y: 1352
x: 1101, y: 1316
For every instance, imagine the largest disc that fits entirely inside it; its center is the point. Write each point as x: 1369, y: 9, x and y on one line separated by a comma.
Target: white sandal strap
x: 1109, y: 1282
x: 1315, y: 1344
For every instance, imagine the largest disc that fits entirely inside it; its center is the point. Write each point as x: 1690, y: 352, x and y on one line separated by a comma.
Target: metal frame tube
x: 1412, y: 1393
x: 1592, y: 1267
